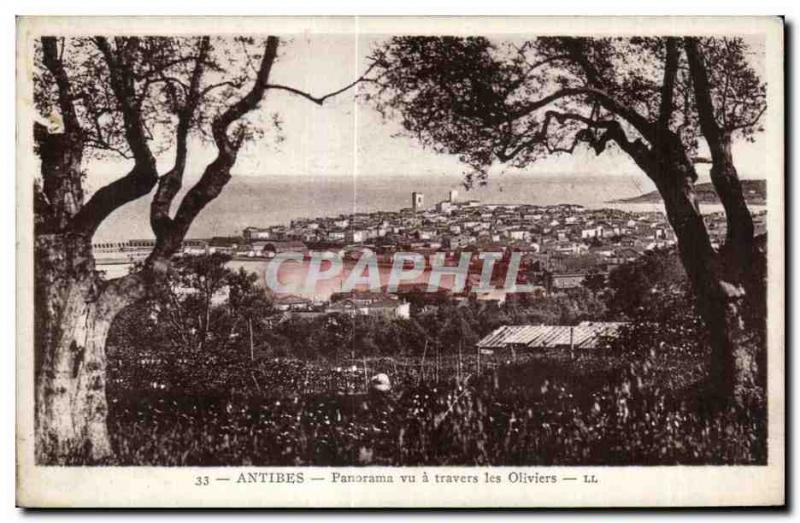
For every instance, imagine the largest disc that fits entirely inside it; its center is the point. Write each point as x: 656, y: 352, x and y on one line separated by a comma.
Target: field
x: 610, y: 408
x: 296, y: 392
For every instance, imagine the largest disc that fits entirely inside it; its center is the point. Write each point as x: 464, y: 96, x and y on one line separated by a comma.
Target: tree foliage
x: 515, y: 101
x: 200, y: 305
x: 595, y: 281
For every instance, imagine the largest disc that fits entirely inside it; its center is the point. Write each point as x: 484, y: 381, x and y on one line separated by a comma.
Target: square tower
x: 453, y: 195
x: 417, y: 199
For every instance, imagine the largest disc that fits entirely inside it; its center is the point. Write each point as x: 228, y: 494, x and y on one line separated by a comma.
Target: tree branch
x: 611, y: 127
x: 532, y: 67
x: 61, y: 153
x: 668, y: 85
x: 596, y: 81
x: 613, y: 131
x: 540, y: 136
x: 319, y: 100
x: 751, y: 123
x: 171, y: 182
x: 226, y: 83
x: 121, y: 77
x: 607, y: 101
x: 143, y: 176
x: 739, y: 232
x: 703, y: 102
x: 53, y: 61
x: 217, y: 173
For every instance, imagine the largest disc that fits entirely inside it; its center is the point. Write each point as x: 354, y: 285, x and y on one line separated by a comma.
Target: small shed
x: 585, y: 335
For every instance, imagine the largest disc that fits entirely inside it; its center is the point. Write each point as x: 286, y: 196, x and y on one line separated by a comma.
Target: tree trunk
x: 74, y: 311
x: 74, y: 307
x: 738, y: 250
x: 70, y: 390
x: 733, y: 354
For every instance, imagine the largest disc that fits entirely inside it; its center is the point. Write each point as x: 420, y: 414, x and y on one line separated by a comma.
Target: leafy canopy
x: 515, y: 101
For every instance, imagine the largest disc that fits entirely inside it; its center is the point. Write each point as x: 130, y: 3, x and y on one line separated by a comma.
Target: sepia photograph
x: 446, y: 254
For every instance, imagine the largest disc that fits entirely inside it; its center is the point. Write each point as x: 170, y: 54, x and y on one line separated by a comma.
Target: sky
x: 344, y: 138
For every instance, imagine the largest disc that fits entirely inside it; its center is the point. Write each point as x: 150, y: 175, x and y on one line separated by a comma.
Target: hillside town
x: 560, y: 245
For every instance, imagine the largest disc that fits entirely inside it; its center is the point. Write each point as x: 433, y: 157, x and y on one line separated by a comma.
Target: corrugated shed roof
x: 584, y: 335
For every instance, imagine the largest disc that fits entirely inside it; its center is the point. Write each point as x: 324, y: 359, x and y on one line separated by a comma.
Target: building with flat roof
x: 585, y: 335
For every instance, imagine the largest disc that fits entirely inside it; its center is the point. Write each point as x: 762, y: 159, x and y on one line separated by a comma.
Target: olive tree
x: 652, y: 99
x: 134, y: 98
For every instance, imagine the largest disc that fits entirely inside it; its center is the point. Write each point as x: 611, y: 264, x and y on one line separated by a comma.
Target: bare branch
x: 151, y: 81
x: 157, y: 71
x: 752, y: 122
x: 319, y: 100
x: 226, y: 83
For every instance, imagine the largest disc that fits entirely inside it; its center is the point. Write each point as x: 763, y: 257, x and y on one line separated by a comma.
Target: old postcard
x: 400, y: 262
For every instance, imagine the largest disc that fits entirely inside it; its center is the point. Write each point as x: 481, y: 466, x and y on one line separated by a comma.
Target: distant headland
x: 755, y: 193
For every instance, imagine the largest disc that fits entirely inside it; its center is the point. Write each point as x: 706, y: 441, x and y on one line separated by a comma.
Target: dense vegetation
x: 297, y: 393
x: 285, y: 412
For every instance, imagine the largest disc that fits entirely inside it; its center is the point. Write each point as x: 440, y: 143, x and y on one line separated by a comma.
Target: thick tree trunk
x: 738, y: 251
x: 70, y: 390
x: 733, y: 353
x: 74, y: 308
x: 74, y: 311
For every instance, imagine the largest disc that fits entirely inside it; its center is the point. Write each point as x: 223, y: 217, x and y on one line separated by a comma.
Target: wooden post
x: 459, y: 362
x: 572, y: 343
x: 252, y: 349
x: 436, y: 368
